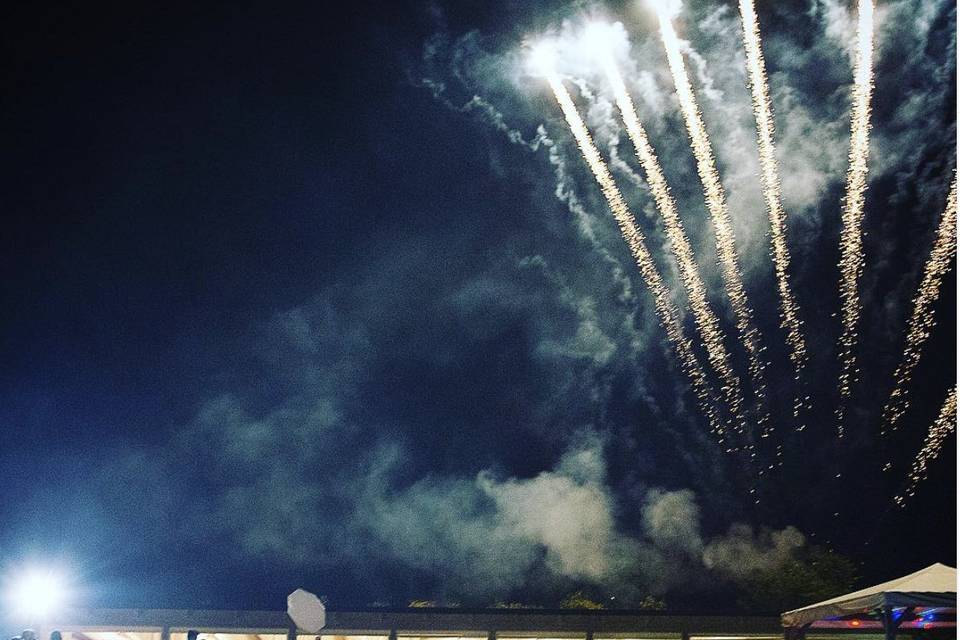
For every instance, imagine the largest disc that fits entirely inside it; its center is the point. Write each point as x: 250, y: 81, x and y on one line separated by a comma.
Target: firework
x: 922, y: 319
x: 943, y: 426
x: 770, y: 181
x: 706, y: 321
x: 635, y: 240
x: 851, y: 238
x: 716, y: 204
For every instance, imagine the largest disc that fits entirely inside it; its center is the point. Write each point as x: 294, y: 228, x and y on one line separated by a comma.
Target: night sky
x: 303, y: 295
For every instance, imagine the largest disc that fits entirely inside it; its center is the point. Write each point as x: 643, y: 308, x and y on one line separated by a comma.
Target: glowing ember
x: 636, y: 242
x: 851, y: 238
x: 922, y: 319
x: 716, y: 204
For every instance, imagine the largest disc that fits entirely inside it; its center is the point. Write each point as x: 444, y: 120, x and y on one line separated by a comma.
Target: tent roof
x: 935, y: 586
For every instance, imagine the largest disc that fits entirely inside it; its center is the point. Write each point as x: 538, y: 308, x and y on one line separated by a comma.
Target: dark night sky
x: 278, y: 311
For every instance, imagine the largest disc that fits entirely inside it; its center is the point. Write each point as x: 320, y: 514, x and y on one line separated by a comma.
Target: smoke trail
x: 770, y: 180
x: 635, y: 240
x: 716, y: 204
x: 851, y: 238
x: 922, y: 319
x: 945, y: 424
x: 706, y: 320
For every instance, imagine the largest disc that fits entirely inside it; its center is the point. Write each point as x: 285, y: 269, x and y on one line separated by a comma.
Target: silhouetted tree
x: 811, y: 577
x: 578, y: 600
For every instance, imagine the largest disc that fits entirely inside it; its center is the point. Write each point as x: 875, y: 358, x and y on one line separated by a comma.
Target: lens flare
x: 648, y: 270
x: 717, y: 206
x: 770, y: 181
x: 667, y: 8
x: 851, y: 238
x: 34, y: 593
x: 542, y: 59
x: 922, y: 319
x: 707, y: 324
x: 597, y: 40
x: 943, y: 426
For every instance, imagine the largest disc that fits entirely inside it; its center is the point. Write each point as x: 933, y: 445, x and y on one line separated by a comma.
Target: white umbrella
x: 307, y: 611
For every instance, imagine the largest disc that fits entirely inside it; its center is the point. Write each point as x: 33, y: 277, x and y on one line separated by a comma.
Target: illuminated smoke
x: 706, y: 320
x: 945, y: 424
x: 851, y: 238
x: 922, y: 319
x: 716, y: 204
x: 770, y: 180
x: 635, y: 240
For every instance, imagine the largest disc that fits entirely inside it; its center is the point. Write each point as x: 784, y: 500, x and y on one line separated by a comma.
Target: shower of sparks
x: 851, y: 238
x: 770, y: 180
x: 706, y: 321
x: 922, y: 319
x: 716, y: 204
x: 648, y: 270
x: 945, y: 424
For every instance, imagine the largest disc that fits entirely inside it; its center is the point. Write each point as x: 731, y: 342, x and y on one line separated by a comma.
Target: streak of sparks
x: 706, y: 321
x: 945, y: 424
x: 635, y: 240
x: 922, y: 319
x: 716, y: 204
x: 770, y: 180
x: 851, y: 238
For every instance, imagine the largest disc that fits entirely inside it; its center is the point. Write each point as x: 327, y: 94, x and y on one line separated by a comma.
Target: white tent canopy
x: 935, y: 586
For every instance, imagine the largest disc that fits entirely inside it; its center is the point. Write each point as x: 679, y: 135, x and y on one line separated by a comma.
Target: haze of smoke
x: 635, y: 240
x: 491, y: 533
x: 572, y: 521
x: 851, y: 237
x: 742, y: 552
x: 943, y: 426
x: 671, y: 520
x: 922, y: 320
x: 716, y: 204
x: 564, y: 192
x: 770, y: 179
x: 487, y: 534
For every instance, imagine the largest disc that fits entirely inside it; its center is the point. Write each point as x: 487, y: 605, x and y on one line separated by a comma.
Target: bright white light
x: 36, y: 593
x: 666, y: 9
x: 599, y: 39
x: 543, y: 57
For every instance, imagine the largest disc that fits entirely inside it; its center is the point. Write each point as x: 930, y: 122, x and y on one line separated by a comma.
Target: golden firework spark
x: 635, y: 240
x: 716, y: 204
x: 922, y: 319
x: 851, y: 238
x: 706, y: 321
x: 770, y: 180
x: 945, y: 424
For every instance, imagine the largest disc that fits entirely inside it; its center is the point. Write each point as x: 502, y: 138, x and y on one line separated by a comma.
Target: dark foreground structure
x: 412, y: 624
x: 430, y: 624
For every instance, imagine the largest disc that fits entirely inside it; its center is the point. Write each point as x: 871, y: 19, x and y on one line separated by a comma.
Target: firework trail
x: 770, y: 180
x: 716, y: 204
x: 945, y: 424
x: 922, y: 319
x: 706, y: 321
x: 851, y: 238
x: 641, y: 254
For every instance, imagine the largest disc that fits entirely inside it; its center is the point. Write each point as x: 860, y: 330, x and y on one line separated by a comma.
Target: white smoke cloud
x: 742, y: 551
x: 495, y: 532
x: 491, y: 532
x: 671, y: 519
x: 568, y: 512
